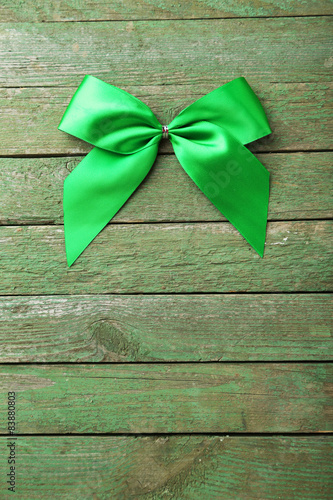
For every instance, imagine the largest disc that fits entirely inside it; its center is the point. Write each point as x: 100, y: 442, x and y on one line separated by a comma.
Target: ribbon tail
x: 231, y: 177
x: 96, y: 189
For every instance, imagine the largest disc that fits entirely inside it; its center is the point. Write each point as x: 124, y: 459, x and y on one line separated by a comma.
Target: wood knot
x: 112, y: 342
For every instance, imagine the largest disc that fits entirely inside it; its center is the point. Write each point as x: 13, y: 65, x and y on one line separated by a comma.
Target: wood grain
x: 299, y: 115
x: 150, y: 398
x: 33, y: 190
x: 166, y: 328
x: 138, y: 316
x: 172, y: 467
x: 294, y: 50
x: 168, y: 258
x: 65, y: 10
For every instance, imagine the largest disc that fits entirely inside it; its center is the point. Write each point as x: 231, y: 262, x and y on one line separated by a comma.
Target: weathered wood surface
x: 299, y: 114
x: 168, y: 64
x: 172, y: 467
x: 92, y: 10
x: 164, y: 398
x: 166, y: 328
x: 182, y: 258
x: 207, y: 51
x: 33, y: 190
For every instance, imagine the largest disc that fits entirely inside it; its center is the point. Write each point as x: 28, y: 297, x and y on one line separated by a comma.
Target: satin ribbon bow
x: 208, y: 139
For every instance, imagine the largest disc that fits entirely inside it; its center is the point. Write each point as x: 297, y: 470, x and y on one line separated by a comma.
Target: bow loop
x: 234, y: 106
x: 110, y: 118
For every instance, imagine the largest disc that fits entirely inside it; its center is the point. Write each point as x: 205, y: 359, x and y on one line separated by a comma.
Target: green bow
x: 208, y: 138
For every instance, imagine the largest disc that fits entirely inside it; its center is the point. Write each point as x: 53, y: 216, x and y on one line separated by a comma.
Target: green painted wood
x: 289, y: 327
x: 299, y: 115
x: 66, y: 10
x: 169, y: 257
x: 171, y: 467
x: 33, y: 190
x: 166, y: 52
x: 164, y: 398
x: 288, y: 63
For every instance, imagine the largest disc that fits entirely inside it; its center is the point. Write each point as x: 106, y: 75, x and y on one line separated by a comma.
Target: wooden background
x: 170, y: 362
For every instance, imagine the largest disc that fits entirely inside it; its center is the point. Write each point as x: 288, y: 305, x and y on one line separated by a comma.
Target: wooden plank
x: 33, y: 190
x: 168, y: 258
x: 299, y: 115
x: 187, y: 467
x: 272, y: 50
x: 164, y: 398
x: 92, y: 10
x: 166, y: 328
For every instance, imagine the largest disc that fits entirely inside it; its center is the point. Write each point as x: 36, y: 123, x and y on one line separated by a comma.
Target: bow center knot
x: 165, y: 131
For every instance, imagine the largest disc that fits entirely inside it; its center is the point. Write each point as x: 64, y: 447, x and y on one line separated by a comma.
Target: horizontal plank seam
x: 152, y: 294
x: 321, y: 434
x: 166, y: 363
x: 164, y: 84
x: 139, y: 223
x: 182, y: 19
x: 171, y: 221
x: 161, y: 153
x: 162, y: 222
x: 147, y: 294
